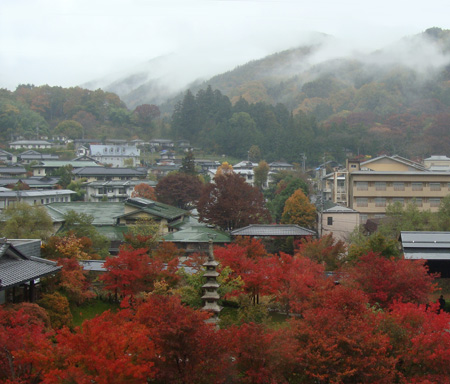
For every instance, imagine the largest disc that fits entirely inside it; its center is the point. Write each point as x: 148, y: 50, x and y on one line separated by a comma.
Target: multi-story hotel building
x: 372, y: 185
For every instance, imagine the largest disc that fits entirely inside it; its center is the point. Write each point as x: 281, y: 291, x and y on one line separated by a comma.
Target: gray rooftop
x: 340, y: 209
x: 273, y: 230
x: 105, y: 171
x: 426, y: 245
x: 36, y: 193
x: 16, y: 268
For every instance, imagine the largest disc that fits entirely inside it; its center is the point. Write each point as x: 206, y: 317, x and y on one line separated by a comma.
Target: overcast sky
x: 69, y: 42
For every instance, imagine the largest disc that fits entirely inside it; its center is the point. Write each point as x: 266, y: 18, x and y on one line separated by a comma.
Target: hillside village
x: 292, y: 229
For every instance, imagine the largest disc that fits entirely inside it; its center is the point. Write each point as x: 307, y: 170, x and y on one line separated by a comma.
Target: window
x: 380, y: 202
x: 417, y: 186
x: 418, y: 202
x: 399, y: 200
x: 435, y: 202
x: 435, y: 186
x: 399, y: 186
x: 361, y: 202
x: 363, y: 219
x: 380, y: 186
x: 362, y: 185
x: 352, y: 165
x: 329, y: 221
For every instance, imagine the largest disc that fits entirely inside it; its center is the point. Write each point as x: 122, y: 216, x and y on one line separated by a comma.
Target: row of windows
x: 49, y: 200
x: 400, y: 186
x: 382, y: 201
x: 103, y: 191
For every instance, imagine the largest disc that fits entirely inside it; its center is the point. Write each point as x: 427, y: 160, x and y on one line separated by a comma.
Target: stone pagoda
x: 211, y: 296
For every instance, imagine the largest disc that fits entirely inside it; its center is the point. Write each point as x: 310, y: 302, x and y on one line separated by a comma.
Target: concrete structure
x: 116, y: 155
x: 113, y: 191
x: 339, y: 221
x: 372, y: 185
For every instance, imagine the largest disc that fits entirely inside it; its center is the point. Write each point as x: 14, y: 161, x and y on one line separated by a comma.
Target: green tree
x: 278, y: 193
x: 254, y: 154
x: 76, y: 186
x: 64, y: 174
x: 298, y: 210
x: 71, y: 128
x: 188, y: 164
x: 408, y: 218
x: 80, y: 224
x: 376, y: 243
x: 24, y: 221
x: 261, y: 174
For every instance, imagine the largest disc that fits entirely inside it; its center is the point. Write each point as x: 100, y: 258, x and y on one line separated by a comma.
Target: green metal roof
x: 156, y: 208
x: 104, y: 213
x: 112, y: 232
x: 197, y: 234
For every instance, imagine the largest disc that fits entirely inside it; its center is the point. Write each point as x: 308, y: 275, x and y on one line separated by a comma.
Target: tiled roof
x: 59, y: 164
x: 121, y: 183
x: 273, y: 230
x: 100, y: 171
x: 15, y: 272
x: 32, y: 182
x: 17, y: 268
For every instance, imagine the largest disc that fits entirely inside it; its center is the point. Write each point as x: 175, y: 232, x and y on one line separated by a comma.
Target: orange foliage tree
x: 145, y: 191
x: 298, y: 210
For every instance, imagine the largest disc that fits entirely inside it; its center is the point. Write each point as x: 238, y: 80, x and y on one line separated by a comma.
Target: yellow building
x: 374, y: 184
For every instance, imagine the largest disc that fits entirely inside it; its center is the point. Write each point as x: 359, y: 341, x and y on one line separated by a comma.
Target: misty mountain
x: 309, y: 77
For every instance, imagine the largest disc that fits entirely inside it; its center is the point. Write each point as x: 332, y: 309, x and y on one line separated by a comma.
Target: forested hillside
x: 395, y: 101
x: 32, y: 112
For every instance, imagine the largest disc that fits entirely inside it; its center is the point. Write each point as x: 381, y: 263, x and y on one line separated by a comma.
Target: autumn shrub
x: 57, y: 307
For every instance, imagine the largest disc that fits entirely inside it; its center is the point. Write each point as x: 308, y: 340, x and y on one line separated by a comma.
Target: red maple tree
x: 109, y: 349
x: 387, y: 280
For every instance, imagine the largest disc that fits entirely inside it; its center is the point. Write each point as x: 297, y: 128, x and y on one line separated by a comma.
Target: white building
x: 30, y: 144
x: 116, y: 155
x: 41, y: 197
